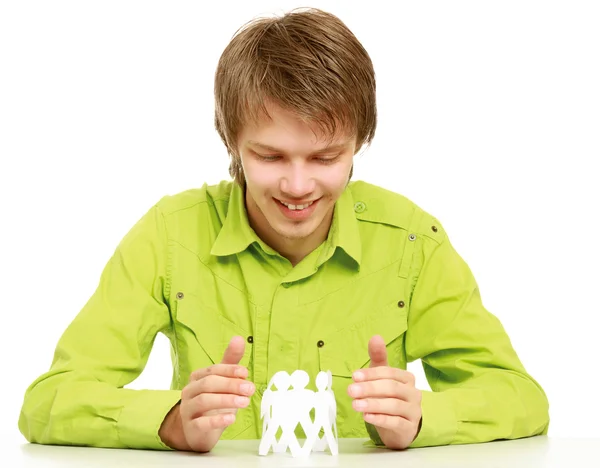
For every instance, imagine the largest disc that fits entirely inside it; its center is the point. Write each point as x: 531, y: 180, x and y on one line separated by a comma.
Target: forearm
x: 497, y: 404
x: 69, y: 408
x: 480, y: 389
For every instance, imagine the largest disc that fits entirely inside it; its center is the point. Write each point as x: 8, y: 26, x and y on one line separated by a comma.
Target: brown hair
x: 307, y: 62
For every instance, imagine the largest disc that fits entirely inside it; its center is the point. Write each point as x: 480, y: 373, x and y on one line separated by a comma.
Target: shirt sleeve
x: 480, y: 390
x: 81, y: 399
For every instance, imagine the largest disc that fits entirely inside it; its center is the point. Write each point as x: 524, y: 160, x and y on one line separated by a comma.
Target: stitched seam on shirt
x: 244, y: 291
x: 346, y: 285
x: 168, y: 279
x: 118, y: 428
x: 167, y: 258
x: 188, y: 249
x: 198, y: 202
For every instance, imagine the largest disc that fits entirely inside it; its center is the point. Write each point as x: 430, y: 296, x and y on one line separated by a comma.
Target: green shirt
x: 193, y: 269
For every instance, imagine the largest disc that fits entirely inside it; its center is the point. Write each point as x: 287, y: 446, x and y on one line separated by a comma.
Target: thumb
x: 377, y: 352
x: 235, y: 351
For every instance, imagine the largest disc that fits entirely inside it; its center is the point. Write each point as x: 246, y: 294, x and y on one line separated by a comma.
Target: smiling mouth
x: 296, y: 207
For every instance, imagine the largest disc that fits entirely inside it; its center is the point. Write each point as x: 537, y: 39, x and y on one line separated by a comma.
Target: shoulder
x: 192, y: 200
x: 375, y: 204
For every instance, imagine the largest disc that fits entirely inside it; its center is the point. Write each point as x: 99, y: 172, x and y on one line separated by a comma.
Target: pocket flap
x: 212, y: 331
x: 347, y: 350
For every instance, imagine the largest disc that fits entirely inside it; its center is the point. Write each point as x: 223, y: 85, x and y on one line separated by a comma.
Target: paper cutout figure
x: 287, y: 408
x: 333, y: 415
x: 299, y: 403
x: 273, y: 411
x: 325, y: 414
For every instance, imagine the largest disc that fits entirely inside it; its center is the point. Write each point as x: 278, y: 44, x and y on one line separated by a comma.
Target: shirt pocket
x: 203, y: 334
x: 347, y: 350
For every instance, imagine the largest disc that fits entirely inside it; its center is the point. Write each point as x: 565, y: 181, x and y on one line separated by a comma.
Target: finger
x: 379, y: 373
x: 385, y: 421
x: 388, y: 406
x: 224, y: 370
x: 383, y: 389
x: 218, y: 384
x: 206, y: 402
x: 216, y: 421
x: 235, y: 351
x: 377, y: 352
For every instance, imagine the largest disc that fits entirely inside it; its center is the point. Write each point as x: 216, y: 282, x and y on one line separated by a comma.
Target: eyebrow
x: 330, y: 148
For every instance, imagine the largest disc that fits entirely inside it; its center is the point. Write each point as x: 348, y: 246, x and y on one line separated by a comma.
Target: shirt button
x: 250, y: 339
x: 359, y: 207
x: 400, y: 304
x: 412, y: 237
x: 179, y: 295
x: 320, y: 343
x: 434, y: 228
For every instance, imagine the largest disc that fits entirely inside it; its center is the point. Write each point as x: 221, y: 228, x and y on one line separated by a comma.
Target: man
x: 290, y: 266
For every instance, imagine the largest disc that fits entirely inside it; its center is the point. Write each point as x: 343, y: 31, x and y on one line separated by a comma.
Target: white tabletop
x: 540, y: 451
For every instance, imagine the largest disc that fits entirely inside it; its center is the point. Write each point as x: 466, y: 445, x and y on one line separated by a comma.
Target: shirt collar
x: 344, y: 231
x: 236, y: 234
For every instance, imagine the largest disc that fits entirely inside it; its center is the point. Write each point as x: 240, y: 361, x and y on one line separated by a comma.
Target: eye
x: 267, y: 157
x: 327, y: 160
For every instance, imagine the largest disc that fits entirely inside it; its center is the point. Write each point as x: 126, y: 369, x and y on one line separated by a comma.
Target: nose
x: 297, y: 182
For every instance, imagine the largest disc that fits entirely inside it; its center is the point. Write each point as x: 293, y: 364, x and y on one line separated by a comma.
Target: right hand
x: 209, y: 403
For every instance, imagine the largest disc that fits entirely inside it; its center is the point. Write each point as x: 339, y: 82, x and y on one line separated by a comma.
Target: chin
x: 296, y: 231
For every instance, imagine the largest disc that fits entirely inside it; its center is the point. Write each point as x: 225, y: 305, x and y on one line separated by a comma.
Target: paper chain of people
x: 287, y: 407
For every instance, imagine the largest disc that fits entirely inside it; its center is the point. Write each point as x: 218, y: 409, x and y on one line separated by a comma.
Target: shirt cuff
x: 141, y: 419
x: 439, y: 424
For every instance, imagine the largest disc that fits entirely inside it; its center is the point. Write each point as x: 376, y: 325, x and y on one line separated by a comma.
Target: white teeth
x: 297, y: 207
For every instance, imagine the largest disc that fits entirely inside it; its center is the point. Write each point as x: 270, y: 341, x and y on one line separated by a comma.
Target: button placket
x: 280, y: 345
x: 259, y: 346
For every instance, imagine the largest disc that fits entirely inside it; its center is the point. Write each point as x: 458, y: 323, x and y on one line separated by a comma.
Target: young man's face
x: 293, y: 178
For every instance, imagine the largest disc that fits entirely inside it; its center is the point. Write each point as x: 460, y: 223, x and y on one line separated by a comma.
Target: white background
x: 489, y: 118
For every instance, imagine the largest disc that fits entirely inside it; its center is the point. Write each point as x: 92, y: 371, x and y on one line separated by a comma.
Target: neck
x: 295, y: 250
x: 292, y: 248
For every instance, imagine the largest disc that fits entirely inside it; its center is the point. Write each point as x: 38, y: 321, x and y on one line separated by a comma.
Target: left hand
x: 388, y: 398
